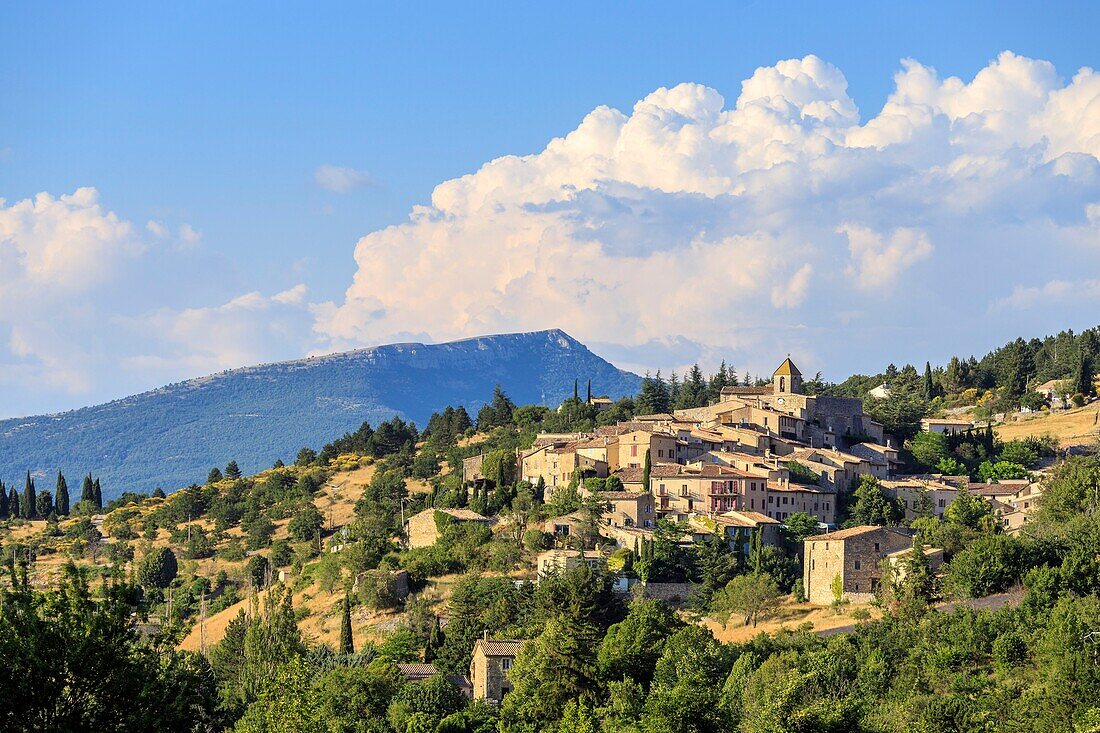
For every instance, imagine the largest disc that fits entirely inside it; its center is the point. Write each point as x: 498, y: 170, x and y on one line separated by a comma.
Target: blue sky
x: 202, y: 128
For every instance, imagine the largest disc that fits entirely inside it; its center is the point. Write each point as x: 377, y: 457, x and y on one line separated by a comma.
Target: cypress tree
x: 590, y: 391
x: 87, y: 489
x: 13, y: 504
x: 1082, y: 383
x: 347, y: 646
x: 61, y: 496
x: 647, y: 466
x: 3, y: 501
x: 928, y: 386
x: 576, y: 396
x: 435, y: 641
x: 29, y: 505
x: 97, y: 494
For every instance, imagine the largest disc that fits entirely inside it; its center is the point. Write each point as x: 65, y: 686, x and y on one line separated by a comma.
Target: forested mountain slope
x: 170, y: 436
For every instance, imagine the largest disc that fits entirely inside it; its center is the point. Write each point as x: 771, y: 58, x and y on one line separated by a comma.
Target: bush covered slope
x: 171, y: 436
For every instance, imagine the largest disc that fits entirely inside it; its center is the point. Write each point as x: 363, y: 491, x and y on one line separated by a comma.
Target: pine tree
x: 3, y: 501
x: 675, y: 389
x: 61, y: 498
x: 87, y: 489
x: 720, y: 379
x: 347, y: 646
x: 929, y: 387
x: 232, y: 471
x: 214, y: 476
x: 29, y: 504
x: 13, y: 504
x: 97, y: 494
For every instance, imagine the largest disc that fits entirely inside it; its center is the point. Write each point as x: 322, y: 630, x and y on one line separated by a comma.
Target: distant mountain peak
x: 172, y: 435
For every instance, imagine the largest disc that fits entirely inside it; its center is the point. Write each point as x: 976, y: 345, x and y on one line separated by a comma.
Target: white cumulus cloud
x: 778, y: 222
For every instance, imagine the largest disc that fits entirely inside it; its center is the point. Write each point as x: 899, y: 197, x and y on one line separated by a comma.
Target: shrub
x: 281, y: 553
x: 158, y: 569
x: 1009, y: 649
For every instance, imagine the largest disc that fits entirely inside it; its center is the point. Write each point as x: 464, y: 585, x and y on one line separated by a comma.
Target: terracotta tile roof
x: 808, y: 488
x: 418, y: 670
x: 466, y: 515
x: 499, y: 647
x: 622, y: 495
x: 746, y: 390
x: 629, y: 475
x: 843, y: 534
x: 745, y: 518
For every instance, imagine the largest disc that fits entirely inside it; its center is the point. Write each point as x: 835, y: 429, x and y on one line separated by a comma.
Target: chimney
x: 485, y: 635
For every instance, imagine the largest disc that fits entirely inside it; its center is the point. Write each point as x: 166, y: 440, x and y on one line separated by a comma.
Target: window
x: 660, y: 452
x: 684, y: 490
x: 812, y: 561
x: 648, y: 508
x: 752, y: 503
x: 634, y: 450
x: 857, y: 565
x: 661, y: 489
x: 506, y: 663
x: 876, y: 547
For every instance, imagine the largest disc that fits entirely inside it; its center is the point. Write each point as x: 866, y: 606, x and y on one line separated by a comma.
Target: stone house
x: 556, y: 462
x: 883, y: 459
x: 471, y: 468
x: 663, y: 447
x: 854, y: 555
x: 946, y: 426
x: 422, y: 529
x: 490, y: 664
x: 561, y: 561
x: 628, y: 509
x: 835, y: 470
x: 912, y: 492
x: 705, y: 488
x: 785, y: 498
x: 738, y: 527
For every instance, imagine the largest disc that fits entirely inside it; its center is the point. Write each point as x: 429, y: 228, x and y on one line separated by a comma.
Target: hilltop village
x: 600, y: 565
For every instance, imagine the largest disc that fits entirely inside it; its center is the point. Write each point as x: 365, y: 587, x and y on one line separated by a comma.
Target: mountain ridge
x: 170, y: 436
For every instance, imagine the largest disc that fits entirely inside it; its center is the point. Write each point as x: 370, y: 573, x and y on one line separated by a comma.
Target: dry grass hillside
x: 319, y: 609
x: 1079, y: 426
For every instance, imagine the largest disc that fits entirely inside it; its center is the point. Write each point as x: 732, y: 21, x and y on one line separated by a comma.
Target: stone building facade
x: 855, y: 555
x: 489, y: 667
x: 422, y: 529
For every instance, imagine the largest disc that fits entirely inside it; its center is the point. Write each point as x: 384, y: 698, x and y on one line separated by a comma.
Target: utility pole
x: 202, y: 624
